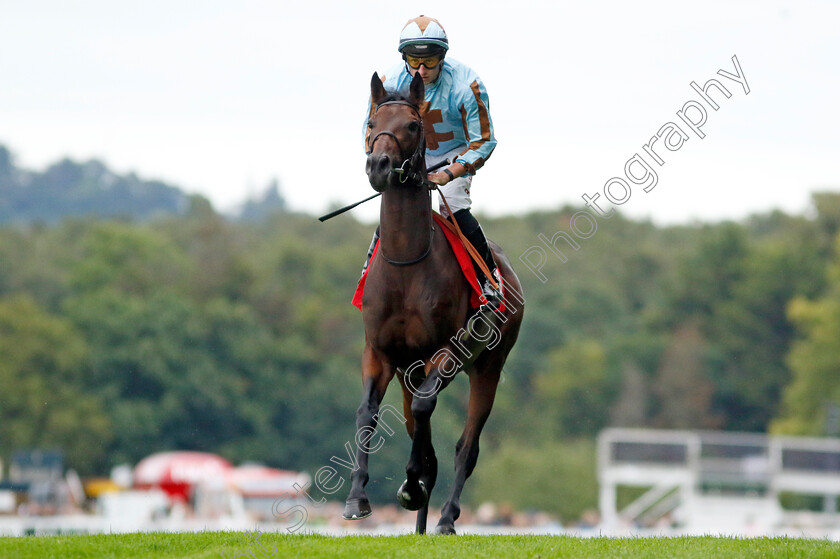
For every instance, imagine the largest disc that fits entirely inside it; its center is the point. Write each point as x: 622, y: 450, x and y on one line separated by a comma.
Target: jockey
x: 457, y: 126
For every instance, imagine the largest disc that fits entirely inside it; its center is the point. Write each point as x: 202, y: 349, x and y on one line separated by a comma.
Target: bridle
x: 412, y: 163
x: 409, y: 170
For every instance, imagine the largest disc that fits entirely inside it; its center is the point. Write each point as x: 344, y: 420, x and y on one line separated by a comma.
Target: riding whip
x: 351, y: 206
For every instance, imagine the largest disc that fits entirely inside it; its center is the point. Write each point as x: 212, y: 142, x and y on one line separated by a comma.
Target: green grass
x: 212, y: 544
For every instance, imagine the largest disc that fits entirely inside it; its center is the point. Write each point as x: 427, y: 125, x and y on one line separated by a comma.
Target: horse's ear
x: 416, y: 92
x: 377, y: 90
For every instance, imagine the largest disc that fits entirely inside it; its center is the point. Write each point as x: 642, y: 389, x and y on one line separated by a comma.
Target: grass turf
x: 228, y: 544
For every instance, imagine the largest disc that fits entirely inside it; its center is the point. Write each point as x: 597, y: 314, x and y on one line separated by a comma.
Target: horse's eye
x: 370, y: 124
x: 413, y: 126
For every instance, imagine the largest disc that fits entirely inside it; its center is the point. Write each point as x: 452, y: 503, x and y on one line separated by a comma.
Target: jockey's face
x: 417, y: 65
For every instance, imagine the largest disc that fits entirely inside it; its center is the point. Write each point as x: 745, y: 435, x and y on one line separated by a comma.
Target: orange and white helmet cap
x: 423, y: 34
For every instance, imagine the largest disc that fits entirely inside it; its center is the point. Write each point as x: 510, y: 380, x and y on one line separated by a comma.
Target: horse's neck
x: 405, y: 221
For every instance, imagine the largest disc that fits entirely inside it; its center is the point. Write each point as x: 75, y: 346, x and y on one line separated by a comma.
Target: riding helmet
x: 423, y: 36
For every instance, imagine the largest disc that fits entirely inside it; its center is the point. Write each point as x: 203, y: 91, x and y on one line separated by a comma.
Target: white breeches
x: 457, y: 192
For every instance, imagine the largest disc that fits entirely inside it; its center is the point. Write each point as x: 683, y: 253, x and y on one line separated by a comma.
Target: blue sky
x: 221, y: 97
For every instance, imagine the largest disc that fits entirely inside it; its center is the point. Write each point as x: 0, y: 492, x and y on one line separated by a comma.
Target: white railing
x: 690, y: 466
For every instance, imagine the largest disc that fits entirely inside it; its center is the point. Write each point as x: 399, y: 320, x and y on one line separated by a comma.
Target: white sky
x: 220, y: 97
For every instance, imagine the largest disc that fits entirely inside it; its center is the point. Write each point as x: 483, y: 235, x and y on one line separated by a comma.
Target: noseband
x: 408, y: 169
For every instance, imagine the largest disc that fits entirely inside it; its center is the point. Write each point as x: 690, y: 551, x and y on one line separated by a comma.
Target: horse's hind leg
x: 483, y: 383
x: 375, y: 377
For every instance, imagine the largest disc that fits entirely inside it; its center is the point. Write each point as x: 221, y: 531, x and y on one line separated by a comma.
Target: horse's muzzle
x: 378, y: 168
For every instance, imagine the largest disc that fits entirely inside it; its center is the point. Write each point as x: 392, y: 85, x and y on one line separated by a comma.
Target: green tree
x: 631, y: 407
x: 814, y: 360
x: 827, y: 207
x: 132, y: 259
x: 42, y: 404
x: 753, y: 333
x: 571, y: 392
x: 175, y: 376
x: 557, y: 477
x: 682, y: 385
x: 735, y: 287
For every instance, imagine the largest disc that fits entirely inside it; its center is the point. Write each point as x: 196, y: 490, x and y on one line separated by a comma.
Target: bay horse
x: 415, y: 306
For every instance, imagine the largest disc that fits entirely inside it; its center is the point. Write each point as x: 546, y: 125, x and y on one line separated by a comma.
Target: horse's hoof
x: 413, y: 501
x: 357, y: 509
x: 445, y: 530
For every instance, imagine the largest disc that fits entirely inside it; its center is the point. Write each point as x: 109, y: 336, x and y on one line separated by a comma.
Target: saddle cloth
x: 464, y: 261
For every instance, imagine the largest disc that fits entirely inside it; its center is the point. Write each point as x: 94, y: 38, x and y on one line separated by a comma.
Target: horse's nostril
x: 384, y: 164
x: 378, y: 165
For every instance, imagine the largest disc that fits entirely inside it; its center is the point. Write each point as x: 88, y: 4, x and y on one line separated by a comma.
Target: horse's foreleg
x: 430, y: 476
x: 375, y: 377
x: 482, y: 393
x: 421, y: 471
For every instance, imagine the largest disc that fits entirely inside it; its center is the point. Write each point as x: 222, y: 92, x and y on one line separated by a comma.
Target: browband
x: 398, y: 102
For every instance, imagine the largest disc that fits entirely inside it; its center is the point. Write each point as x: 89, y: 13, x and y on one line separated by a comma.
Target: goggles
x: 429, y: 62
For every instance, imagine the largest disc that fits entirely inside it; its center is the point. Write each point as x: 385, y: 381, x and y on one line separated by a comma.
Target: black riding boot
x: 475, y: 235
x: 370, y: 250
